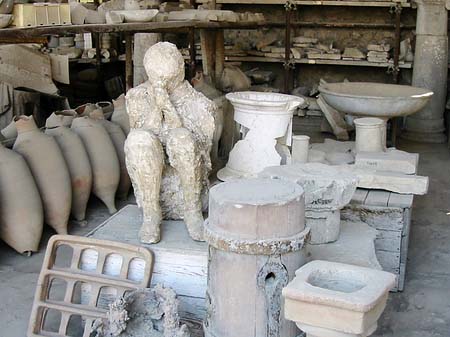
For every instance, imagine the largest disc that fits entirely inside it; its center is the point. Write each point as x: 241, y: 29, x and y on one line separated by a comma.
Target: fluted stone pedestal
x: 430, y: 72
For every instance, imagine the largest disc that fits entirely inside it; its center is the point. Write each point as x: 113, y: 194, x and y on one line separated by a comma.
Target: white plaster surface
x: 355, y: 246
x: 392, y: 160
x: 267, y: 117
x: 389, y: 181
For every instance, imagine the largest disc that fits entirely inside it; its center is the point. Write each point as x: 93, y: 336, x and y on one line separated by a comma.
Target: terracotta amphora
x: 21, y: 211
x: 46, y: 162
x: 120, y: 115
x: 118, y: 138
x: 103, y: 158
x: 61, y: 118
x: 77, y: 161
x: 9, y: 134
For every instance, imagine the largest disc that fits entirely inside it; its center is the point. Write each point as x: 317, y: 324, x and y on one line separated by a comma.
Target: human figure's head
x: 164, y: 65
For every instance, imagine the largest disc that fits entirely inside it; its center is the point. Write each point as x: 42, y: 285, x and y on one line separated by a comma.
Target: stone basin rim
x: 242, y: 97
x: 416, y: 92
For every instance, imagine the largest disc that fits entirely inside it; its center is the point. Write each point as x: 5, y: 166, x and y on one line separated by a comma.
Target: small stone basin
x: 375, y: 99
x: 336, y: 281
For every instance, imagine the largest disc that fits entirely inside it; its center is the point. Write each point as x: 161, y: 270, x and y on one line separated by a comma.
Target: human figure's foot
x: 194, y: 222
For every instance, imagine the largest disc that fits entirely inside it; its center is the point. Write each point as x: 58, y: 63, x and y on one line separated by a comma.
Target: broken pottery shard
x: 325, y: 186
x: 356, y: 246
x: 304, y: 39
x: 379, y: 47
x: 335, y: 119
x: 389, y: 181
x: 326, y: 191
x: 392, y: 160
x: 353, y: 53
x: 143, y: 313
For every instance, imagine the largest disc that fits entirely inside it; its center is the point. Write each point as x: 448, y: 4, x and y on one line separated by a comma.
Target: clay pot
x: 9, y: 134
x: 106, y: 107
x: 21, y: 212
x: 120, y: 115
x: 46, y: 162
x: 103, y: 158
x: 118, y: 138
x: 77, y: 161
x: 85, y: 109
x: 60, y: 118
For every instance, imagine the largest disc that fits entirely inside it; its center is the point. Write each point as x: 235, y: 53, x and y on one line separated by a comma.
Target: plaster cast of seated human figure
x: 172, y: 127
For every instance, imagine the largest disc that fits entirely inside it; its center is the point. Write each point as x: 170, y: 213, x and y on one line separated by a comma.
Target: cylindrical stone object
x: 300, y: 149
x: 430, y: 71
x: 370, y: 134
x: 256, y: 233
x: 431, y: 17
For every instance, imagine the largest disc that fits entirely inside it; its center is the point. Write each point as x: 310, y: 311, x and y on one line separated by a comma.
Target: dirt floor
x: 422, y: 310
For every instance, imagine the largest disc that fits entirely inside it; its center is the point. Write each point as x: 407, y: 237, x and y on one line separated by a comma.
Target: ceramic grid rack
x: 96, y: 279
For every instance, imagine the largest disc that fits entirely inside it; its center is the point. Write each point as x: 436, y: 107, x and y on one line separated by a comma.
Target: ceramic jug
x: 46, y: 162
x: 120, y: 115
x: 103, y: 158
x: 77, y: 161
x: 21, y: 212
x: 118, y: 138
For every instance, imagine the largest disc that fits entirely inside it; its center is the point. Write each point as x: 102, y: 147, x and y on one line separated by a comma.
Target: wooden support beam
x: 208, y: 47
x: 220, y: 56
x: 128, y: 61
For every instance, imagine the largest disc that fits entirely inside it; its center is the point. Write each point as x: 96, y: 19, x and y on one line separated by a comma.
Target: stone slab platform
x: 180, y: 262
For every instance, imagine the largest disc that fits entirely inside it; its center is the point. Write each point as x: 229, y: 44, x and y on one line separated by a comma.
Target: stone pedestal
x: 370, y: 135
x: 327, y: 191
x: 430, y: 71
x: 266, y: 127
x: 256, y: 233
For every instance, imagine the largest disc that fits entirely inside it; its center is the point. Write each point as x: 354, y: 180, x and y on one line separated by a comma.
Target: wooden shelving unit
x: 395, y: 7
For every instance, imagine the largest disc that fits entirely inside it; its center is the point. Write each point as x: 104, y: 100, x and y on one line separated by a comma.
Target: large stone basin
x: 375, y: 99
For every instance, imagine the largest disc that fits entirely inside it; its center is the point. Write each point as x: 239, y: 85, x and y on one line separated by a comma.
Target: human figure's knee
x: 143, y: 144
x: 181, y: 146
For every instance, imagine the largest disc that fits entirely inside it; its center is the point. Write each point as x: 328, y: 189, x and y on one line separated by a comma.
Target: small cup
x: 300, y: 149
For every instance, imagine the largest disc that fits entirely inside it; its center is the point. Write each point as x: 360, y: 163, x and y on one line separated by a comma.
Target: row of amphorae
x: 50, y: 174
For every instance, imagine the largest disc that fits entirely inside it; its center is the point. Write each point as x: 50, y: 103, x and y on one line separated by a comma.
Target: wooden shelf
x: 363, y: 63
x: 402, y: 3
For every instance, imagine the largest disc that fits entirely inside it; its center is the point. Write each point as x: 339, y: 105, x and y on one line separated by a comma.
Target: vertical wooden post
x: 220, y: 56
x: 192, y: 55
x: 288, y: 65
x: 398, y: 13
x: 128, y: 61
x: 208, y: 42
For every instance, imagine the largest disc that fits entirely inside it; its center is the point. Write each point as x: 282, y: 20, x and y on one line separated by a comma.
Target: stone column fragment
x: 256, y: 233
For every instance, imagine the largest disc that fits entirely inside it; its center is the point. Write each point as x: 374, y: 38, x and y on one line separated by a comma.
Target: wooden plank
x: 400, y: 200
x: 403, y: 3
x: 377, y: 198
x: 180, y: 262
x: 359, y: 197
x: 389, y: 241
x: 381, y: 218
x: 389, y: 261
x: 150, y: 27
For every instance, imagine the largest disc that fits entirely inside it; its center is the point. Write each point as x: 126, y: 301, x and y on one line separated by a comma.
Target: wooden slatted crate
x: 390, y: 214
